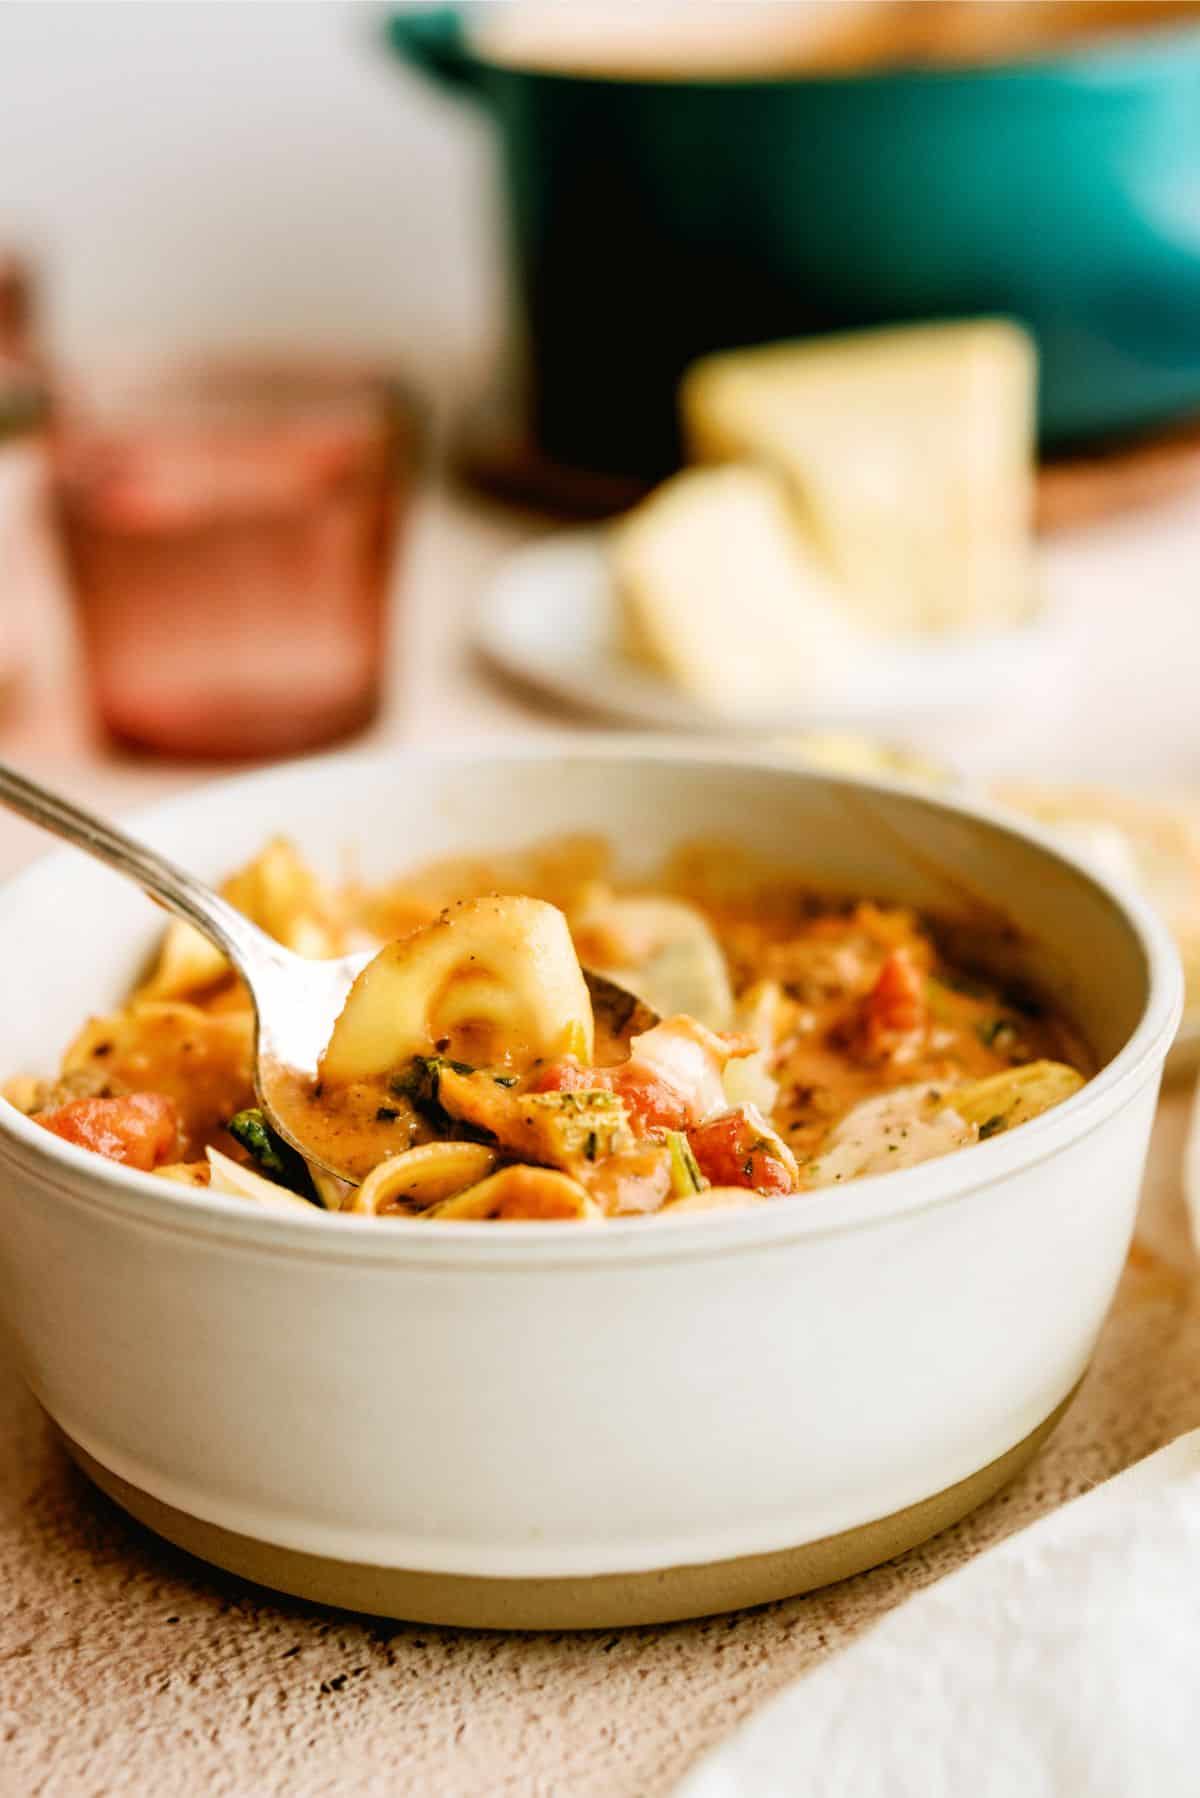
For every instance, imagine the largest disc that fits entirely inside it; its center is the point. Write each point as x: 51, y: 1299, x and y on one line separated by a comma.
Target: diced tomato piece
x: 567, y: 1076
x: 139, y: 1130
x: 731, y: 1152
x: 895, y: 1007
x: 652, y: 1102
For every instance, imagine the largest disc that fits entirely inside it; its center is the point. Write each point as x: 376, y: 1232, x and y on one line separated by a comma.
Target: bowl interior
x: 73, y: 937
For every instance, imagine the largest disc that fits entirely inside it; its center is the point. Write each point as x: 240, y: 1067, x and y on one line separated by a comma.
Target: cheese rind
x: 908, y: 455
x: 719, y: 593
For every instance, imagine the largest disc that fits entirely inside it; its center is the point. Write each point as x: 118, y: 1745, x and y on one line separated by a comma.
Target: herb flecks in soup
x: 803, y: 1042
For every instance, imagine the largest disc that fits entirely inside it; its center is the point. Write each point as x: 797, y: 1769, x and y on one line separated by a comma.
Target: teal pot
x: 652, y: 221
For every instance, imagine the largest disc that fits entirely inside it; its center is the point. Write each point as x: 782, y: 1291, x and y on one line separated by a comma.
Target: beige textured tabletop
x: 130, y: 1668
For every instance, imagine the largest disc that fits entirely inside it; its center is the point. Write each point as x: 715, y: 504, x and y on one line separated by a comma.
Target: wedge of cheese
x: 908, y: 454
x: 719, y: 594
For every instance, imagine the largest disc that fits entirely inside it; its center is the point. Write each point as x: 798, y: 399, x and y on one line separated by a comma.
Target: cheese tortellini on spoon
x: 494, y: 979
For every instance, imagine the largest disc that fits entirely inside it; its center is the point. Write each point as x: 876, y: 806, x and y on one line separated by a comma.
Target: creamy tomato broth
x: 802, y: 1041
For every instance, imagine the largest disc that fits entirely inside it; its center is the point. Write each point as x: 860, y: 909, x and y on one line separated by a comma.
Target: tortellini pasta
x: 280, y: 893
x: 713, y: 1198
x: 422, y: 1177
x: 521, y: 1192
x: 662, y: 949
x: 1014, y: 1096
x: 230, y: 1176
x: 491, y: 979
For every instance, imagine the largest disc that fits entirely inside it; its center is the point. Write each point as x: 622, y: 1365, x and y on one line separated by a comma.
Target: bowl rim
x: 86, y: 1178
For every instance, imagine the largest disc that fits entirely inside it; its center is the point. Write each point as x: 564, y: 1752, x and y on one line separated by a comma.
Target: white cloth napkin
x: 1064, y: 1663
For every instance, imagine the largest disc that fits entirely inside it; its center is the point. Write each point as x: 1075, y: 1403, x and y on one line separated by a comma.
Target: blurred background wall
x: 253, y: 174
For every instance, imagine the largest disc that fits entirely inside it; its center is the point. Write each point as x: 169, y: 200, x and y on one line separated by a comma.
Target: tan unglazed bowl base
x: 602, y: 1601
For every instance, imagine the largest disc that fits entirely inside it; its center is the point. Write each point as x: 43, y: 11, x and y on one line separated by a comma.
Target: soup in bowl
x: 767, y: 1039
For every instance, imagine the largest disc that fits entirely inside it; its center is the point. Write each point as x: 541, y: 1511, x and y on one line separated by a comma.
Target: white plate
x: 549, y: 619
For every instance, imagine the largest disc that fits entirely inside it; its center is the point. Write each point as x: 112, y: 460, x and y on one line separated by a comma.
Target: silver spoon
x: 296, y: 1001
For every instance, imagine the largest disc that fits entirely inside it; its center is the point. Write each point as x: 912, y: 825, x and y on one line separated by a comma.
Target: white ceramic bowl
x: 549, y: 1424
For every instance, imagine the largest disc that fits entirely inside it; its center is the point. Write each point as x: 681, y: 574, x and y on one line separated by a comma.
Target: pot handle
x: 433, y: 41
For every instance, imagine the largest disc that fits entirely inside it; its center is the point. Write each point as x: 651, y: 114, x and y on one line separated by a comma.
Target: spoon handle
x: 179, y: 891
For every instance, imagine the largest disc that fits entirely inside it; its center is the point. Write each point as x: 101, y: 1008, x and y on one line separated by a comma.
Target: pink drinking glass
x: 229, y: 531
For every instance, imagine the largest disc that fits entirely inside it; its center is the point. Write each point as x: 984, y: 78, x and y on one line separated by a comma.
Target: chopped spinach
x: 273, y: 1157
x: 420, y: 1084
